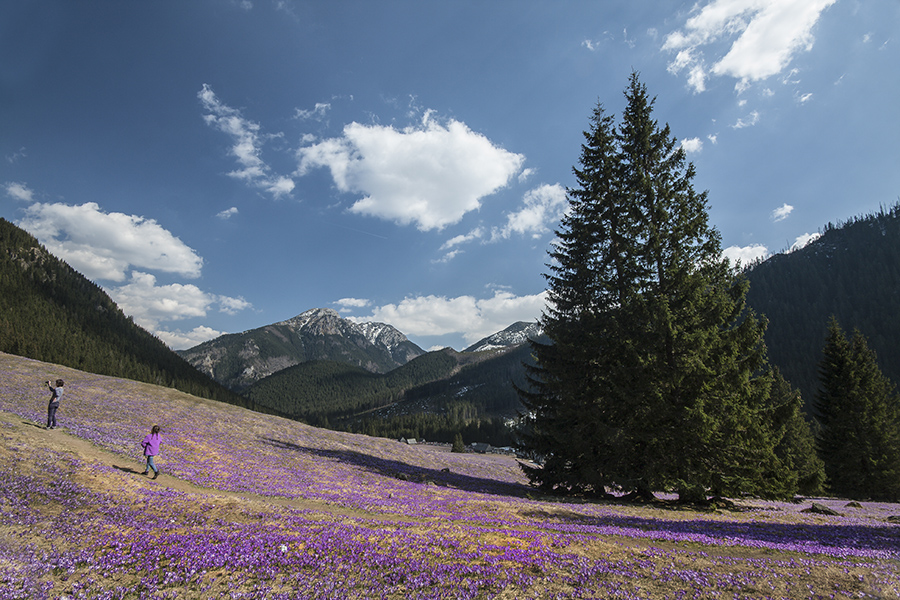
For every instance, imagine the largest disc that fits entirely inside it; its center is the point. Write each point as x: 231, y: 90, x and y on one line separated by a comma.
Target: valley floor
x: 252, y: 506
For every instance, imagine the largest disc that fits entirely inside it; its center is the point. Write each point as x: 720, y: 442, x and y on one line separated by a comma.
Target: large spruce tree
x: 654, y: 374
x: 859, y: 413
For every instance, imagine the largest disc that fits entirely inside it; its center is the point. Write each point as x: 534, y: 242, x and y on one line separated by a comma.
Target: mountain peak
x: 516, y: 334
x: 239, y: 360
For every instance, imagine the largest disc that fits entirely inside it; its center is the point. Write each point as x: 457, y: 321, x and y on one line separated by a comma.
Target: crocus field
x: 254, y: 506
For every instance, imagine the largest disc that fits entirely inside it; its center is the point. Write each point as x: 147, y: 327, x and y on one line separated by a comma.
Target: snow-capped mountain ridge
x: 514, y: 335
x: 239, y: 360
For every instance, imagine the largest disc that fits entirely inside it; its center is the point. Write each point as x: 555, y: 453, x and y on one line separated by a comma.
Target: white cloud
x: 247, y: 145
x: 228, y: 213
x: 232, y: 306
x: 692, y: 145
x: 525, y: 174
x: 804, y: 98
x: 318, y: 113
x: 350, y: 303
x: 430, y: 175
x: 803, y: 240
x: 751, y: 120
x: 475, y: 234
x: 748, y: 40
x: 179, y: 340
x: 14, y: 157
x: 782, y: 212
x: 713, y: 139
x: 466, y: 315
x: 104, y: 245
x: 745, y: 255
x: 149, y: 303
x: 19, y: 191
x: 542, y: 207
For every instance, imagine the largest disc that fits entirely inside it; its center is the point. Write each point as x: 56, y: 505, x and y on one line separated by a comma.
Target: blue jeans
x: 51, y: 414
x: 151, y: 465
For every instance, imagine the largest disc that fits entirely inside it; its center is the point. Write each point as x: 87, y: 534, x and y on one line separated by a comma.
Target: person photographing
x: 54, y: 402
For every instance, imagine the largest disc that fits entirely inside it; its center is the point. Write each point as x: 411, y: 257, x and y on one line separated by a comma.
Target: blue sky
x: 219, y: 165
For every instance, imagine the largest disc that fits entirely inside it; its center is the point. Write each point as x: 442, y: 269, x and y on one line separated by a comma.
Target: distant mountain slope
x: 50, y: 312
x: 517, y: 333
x: 436, y: 395
x: 852, y: 272
x: 239, y: 360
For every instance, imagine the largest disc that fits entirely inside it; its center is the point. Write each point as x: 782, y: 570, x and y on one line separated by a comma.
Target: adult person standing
x: 54, y: 402
x: 151, y: 449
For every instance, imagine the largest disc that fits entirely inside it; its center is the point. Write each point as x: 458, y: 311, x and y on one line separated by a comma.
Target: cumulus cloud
x: 247, y: 146
x: 745, y: 255
x: 232, y: 306
x: 429, y: 175
x: 692, y: 145
x: 19, y: 191
x: 149, y: 303
x: 472, y: 317
x: 782, y: 212
x: 181, y: 340
x: 105, y: 245
x: 749, y: 40
x: 348, y: 304
x: 542, y: 207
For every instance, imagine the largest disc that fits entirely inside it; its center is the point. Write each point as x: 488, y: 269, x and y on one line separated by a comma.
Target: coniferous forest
x: 52, y: 313
x: 851, y: 273
x: 435, y: 396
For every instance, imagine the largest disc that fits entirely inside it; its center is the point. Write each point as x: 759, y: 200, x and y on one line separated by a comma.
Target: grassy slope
x: 250, y: 505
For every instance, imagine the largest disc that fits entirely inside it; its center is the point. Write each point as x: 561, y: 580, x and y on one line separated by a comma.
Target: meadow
x: 254, y: 506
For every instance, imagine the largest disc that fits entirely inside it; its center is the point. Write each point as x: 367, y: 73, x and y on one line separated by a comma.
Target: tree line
x: 850, y: 273
x: 435, y: 396
x: 52, y: 313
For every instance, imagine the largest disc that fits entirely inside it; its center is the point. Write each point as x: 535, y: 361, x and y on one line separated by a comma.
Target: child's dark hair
x: 60, y: 383
x: 155, y: 429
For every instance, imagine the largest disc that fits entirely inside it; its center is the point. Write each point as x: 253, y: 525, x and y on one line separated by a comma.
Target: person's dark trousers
x: 51, y: 415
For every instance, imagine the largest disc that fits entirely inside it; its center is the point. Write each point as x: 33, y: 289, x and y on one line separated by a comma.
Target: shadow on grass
x: 405, y: 472
x: 804, y: 538
x: 801, y: 537
x: 127, y: 470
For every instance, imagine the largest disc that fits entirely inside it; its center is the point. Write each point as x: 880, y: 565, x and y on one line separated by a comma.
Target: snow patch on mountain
x: 514, y: 335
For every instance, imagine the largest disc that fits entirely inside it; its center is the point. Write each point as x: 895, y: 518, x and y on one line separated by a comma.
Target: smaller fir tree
x: 796, y: 448
x: 859, y: 411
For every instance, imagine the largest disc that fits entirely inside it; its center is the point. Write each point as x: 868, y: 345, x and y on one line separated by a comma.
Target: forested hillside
x: 50, y: 312
x: 435, y: 396
x: 852, y: 272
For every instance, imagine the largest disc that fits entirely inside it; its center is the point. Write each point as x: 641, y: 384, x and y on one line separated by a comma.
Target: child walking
x: 151, y: 449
